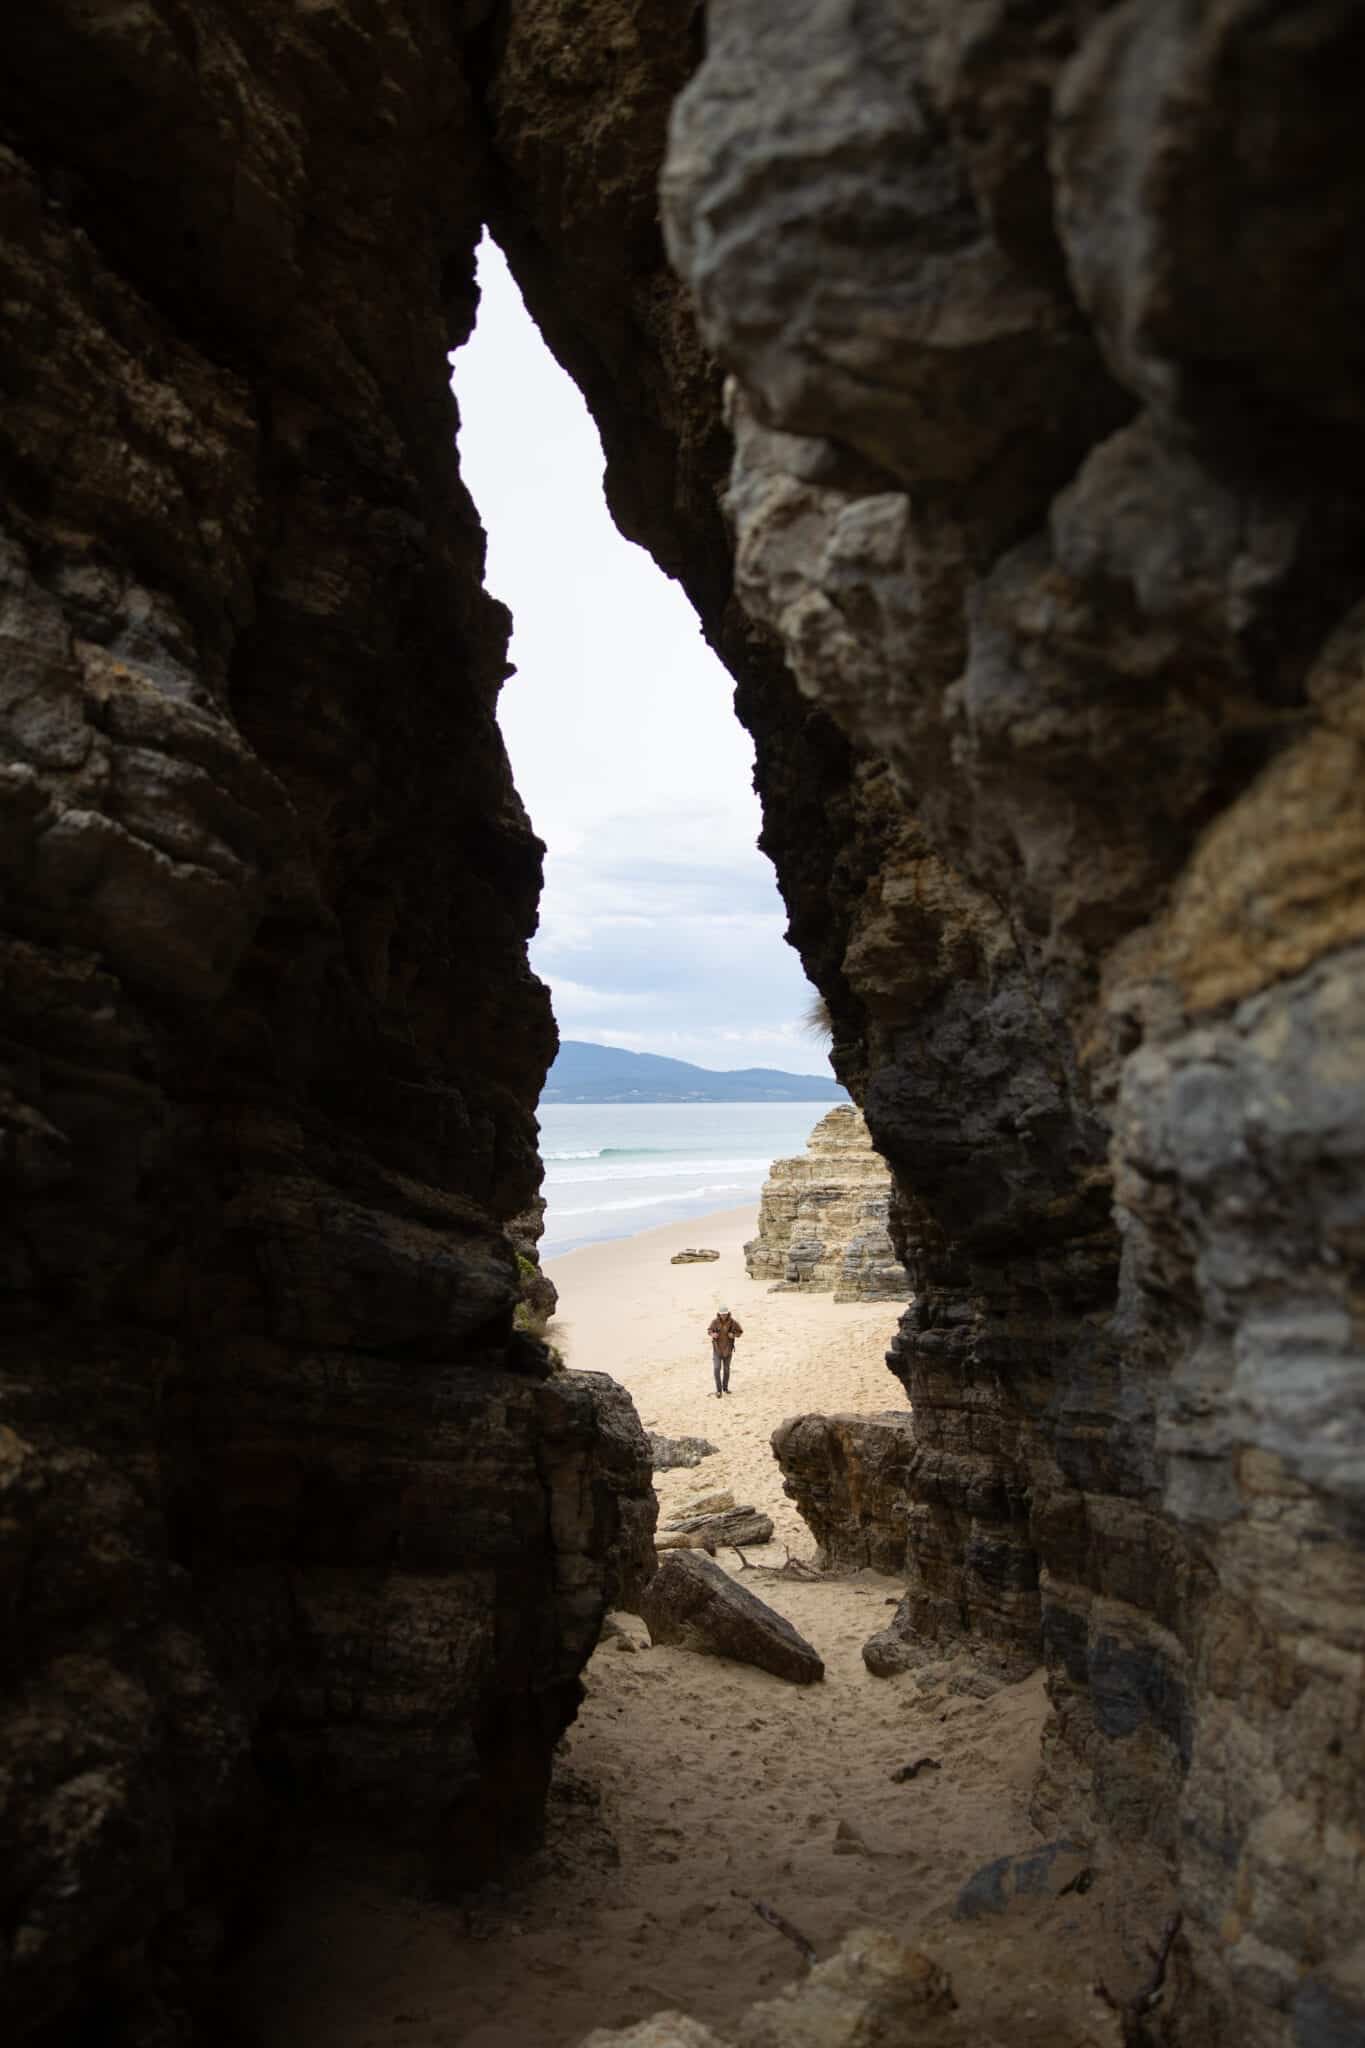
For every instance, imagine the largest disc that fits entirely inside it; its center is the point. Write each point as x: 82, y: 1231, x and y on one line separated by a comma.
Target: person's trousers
x: 720, y: 1365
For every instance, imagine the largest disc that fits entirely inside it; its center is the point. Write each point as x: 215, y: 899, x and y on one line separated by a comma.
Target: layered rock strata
x: 538, y: 1295
x: 1055, y: 508
x: 288, y: 1514
x: 691, y: 1603
x: 850, y: 1479
x: 823, y: 1217
x: 710, y: 1528
x: 1047, y: 527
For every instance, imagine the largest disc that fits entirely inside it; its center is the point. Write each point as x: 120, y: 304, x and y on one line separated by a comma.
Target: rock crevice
x: 1040, y: 573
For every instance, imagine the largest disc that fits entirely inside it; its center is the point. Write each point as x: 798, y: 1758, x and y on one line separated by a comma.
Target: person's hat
x: 722, y: 1311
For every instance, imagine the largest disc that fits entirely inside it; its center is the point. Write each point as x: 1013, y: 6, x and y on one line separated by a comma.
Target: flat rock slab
x: 667, y: 1453
x: 693, y: 1605
x: 704, y: 1504
x: 692, y: 1258
x: 730, y: 1525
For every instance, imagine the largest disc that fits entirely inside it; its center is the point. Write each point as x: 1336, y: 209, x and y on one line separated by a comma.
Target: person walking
x: 722, y: 1331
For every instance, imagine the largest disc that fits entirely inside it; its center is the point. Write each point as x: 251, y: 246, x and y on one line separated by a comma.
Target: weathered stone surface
x: 705, y: 1531
x: 1081, y: 893
x: 290, y: 1512
x: 707, y: 1504
x: 692, y: 1258
x: 822, y: 1217
x: 602, y: 1501
x: 678, y: 1539
x: 1047, y: 537
x: 692, y: 1603
x: 872, y: 1990
x: 538, y: 1295
x: 669, y: 1453
x: 889, y: 1651
x: 872, y: 1993
x: 850, y: 1477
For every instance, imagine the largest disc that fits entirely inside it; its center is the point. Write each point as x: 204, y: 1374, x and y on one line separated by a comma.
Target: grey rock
x: 976, y: 1685
x: 693, y: 1604
x: 1037, y: 1873
x: 668, y: 1453
x: 888, y: 1653
x: 738, y: 1526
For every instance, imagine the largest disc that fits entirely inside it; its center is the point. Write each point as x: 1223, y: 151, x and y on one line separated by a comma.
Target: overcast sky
x: 661, y: 925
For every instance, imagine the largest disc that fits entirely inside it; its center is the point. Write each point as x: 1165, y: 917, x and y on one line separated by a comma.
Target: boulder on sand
x: 692, y: 1604
x: 692, y: 1257
x: 668, y: 1452
x: 727, y: 1525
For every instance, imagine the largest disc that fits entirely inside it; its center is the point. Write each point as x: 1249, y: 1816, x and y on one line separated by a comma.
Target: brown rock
x: 538, y: 1295
x: 692, y: 1603
x: 822, y: 1217
x: 728, y: 1525
x: 706, y: 1504
x: 849, y: 1476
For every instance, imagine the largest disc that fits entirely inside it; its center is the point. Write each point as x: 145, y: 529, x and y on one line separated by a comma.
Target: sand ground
x: 690, y: 1787
x: 624, y: 1309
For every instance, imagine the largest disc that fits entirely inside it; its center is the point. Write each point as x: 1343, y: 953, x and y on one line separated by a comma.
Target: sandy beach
x: 691, y: 1787
x: 624, y: 1309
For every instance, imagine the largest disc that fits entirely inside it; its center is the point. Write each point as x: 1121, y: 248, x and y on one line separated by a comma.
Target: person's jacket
x: 723, y: 1332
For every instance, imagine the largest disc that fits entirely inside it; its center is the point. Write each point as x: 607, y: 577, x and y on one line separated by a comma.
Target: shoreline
x: 692, y: 1231
x: 616, y: 1170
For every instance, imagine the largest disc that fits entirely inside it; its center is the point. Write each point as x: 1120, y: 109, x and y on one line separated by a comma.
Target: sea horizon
x: 613, y: 1169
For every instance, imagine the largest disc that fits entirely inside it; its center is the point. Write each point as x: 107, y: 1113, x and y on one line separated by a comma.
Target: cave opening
x: 691, y: 1791
x: 661, y: 927
x: 1043, y: 598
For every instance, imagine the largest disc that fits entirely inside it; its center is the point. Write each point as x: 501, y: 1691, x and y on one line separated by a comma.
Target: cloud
x: 661, y: 926
x: 574, y: 997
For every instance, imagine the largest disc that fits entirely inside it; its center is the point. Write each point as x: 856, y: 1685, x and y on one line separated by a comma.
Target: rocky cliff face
x: 1046, y: 528
x: 287, y: 1513
x: 851, y: 1477
x: 823, y: 1217
x: 1055, y: 516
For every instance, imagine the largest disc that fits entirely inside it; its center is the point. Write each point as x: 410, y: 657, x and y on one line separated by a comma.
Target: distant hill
x: 607, y: 1073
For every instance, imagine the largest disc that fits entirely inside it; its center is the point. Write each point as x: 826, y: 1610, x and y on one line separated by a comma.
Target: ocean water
x: 613, y: 1168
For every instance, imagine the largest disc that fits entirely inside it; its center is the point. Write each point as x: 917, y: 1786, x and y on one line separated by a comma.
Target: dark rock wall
x: 851, y: 1479
x: 1054, y: 503
x: 285, y: 1508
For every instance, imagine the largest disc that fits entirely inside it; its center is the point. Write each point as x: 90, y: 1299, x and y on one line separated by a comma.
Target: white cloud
x: 573, y: 1000
x: 622, y: 736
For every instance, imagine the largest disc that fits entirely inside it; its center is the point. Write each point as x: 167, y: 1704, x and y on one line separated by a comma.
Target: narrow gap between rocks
x: 691, y: 1789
